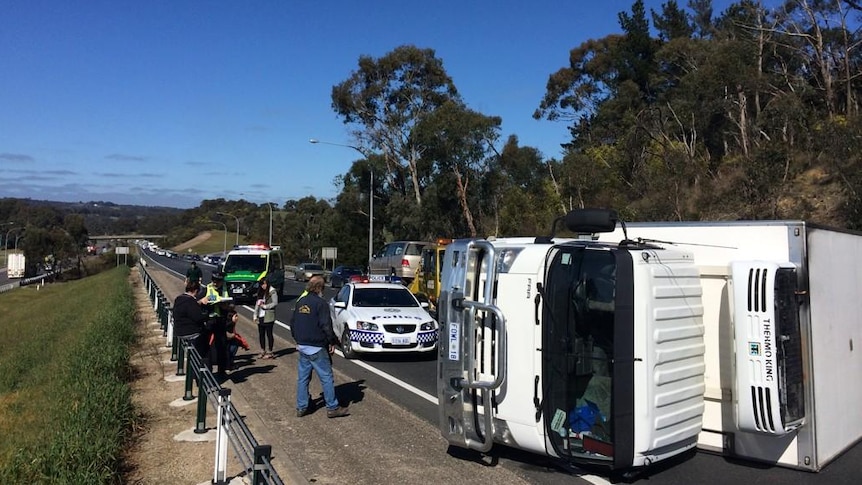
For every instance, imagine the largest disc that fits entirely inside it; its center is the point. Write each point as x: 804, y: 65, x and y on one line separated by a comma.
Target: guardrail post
x: 170, y: 333
x: 164, y: 316
x: 175, y: 342
x: 260, y: 474
x: 189, y: 375
x: 223, y: 425
x: 201, y: 425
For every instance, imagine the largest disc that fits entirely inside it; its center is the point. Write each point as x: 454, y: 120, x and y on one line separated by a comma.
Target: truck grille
x: 761, y: 397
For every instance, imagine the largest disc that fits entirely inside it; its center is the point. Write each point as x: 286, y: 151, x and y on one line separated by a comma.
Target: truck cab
x: 547, y: 347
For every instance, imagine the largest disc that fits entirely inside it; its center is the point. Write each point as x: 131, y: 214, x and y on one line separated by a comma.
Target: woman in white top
x: 264, y: 311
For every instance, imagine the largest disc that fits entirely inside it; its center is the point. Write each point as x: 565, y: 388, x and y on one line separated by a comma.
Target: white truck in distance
x: 16, y: 265
x: 635, y: 344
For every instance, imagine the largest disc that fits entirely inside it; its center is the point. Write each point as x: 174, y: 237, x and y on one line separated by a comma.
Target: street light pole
x: 6, y: 242
x: 370, y: 195
x: 269, y: 204
x: 237, y: 224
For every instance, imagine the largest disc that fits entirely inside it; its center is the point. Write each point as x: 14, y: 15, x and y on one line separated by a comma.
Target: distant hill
x: 102, y: 217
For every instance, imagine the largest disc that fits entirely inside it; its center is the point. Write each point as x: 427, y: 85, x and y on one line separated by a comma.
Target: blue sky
x: 170, y: 102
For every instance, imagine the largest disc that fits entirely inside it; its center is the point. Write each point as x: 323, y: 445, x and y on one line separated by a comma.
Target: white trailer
x: 16, y: 265
x: 625, y: 349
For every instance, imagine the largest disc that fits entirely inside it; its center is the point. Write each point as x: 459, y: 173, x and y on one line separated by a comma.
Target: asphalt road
x: 410, y: 382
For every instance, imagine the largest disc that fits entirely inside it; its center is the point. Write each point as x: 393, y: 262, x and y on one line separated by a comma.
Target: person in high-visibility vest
x: 218, y: 303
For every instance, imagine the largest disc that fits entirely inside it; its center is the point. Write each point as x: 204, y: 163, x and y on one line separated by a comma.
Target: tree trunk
x: 461, y: 187
x: 743, y: 121
x: 414, y: 175
x: 556, y: 188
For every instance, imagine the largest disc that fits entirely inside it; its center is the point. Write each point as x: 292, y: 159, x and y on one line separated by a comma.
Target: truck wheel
x: 346, y: 346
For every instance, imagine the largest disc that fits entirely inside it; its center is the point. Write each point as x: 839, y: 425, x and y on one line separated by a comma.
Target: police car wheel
x: 346, y: 346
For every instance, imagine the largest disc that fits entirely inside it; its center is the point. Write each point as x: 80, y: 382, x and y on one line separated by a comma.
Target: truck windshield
x: 578, y: 337
x: 253, y: 263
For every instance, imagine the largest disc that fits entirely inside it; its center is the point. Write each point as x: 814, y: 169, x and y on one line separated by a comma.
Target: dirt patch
x: 154, y: 456
x: 200, y: 238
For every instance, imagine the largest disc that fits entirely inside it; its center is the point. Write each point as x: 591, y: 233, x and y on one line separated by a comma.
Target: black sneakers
x: 302, y: 412
x: 338, y: 412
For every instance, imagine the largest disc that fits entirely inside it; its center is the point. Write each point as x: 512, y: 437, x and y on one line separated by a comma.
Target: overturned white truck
x: 633, y: 344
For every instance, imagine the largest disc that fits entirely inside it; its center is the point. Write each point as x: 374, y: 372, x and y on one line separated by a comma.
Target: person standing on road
x: 190, y: 318
x: 311, y: 327
x: 194, y: 273
x: 264, y: 311
x: 218, y: 302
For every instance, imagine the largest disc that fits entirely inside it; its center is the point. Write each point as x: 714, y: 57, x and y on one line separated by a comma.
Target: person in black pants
x: 264, y: 311
x: 218, y: 303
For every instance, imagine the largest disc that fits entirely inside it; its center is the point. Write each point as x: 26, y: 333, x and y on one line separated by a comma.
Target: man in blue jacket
x: 311, y: 327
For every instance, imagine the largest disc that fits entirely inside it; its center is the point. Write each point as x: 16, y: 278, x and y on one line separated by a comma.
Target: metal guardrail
x: 254, y: 457
x: 25, y: 281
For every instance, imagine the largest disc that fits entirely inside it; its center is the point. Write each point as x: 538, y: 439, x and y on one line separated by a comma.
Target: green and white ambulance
x: 245, y: 266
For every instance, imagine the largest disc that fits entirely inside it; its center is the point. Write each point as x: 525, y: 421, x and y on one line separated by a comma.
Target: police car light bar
x: 251, y: 246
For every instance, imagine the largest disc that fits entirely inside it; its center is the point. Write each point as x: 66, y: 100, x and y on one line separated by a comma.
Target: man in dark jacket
x: 311, y: 327
x: 190, y: 318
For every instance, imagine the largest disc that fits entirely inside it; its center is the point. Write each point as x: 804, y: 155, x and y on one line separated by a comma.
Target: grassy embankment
x: 217, y: 241
x: 65, y: 406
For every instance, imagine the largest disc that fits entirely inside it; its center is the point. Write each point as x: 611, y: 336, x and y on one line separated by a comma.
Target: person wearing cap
x: 218, y: 306
x: 311, y: 328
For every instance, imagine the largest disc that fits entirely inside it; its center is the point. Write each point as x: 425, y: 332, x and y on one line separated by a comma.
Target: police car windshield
x: 253, y: 263
x: 383, y: 297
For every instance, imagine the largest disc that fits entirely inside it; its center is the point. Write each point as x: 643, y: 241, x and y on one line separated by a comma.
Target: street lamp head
x: 358, y: 149
x: 370, y: 191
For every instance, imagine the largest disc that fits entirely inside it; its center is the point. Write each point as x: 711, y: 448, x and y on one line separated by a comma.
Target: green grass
x: 65, y: 406
x: 216, y: 243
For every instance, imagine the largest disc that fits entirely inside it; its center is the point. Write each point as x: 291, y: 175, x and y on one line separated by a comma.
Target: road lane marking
x: 374, y: 370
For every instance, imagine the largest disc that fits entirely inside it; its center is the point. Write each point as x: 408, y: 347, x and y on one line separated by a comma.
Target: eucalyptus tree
x: 605, y: 90
x: 458, y: 142
x: 383, y: 101
x: 826, y: 36
x: 523, y: 192
x: 304, y: 221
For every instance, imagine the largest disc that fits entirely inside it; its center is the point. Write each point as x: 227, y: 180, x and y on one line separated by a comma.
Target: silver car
x: 398, y: 258
x: 305, y: 271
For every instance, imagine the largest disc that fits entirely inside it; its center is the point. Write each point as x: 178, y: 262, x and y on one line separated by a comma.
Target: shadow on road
x: 351, y: 392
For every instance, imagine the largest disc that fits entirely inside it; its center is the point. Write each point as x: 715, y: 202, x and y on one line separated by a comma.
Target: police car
x: 380, y: 318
